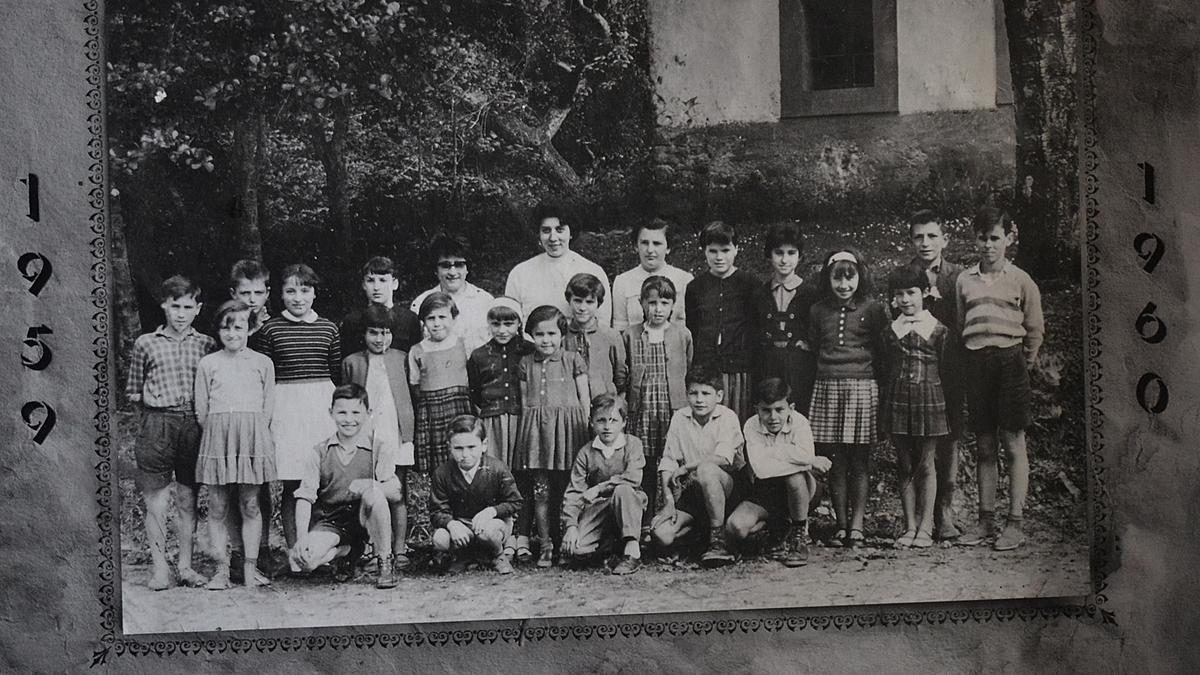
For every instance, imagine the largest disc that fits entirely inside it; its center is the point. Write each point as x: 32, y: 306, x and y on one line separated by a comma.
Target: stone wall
x: 834, y: 169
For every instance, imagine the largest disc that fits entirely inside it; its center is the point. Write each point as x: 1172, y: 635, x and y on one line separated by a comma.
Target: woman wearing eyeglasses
x: 472, y: 301
x: 542, y: 280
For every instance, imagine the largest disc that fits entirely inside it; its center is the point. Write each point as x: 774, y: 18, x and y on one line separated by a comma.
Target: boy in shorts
x: 162, y: 374
x: 1000, y: 321
x: 782, y: 459
x: 347, y: 494
x: 701, y: 458
x: 472, y: 497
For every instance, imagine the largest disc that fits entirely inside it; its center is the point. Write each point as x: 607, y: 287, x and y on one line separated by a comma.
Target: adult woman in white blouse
x: 452, y: 255
x: 542, y: 280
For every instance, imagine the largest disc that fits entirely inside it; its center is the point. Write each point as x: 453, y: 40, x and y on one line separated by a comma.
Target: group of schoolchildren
x: 708, y: 430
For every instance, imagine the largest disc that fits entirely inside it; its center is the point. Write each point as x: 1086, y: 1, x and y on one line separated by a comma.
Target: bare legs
x: 158, y: 501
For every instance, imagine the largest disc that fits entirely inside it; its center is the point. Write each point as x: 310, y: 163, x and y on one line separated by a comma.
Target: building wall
x: 946, y: 55
x: 715, y: 61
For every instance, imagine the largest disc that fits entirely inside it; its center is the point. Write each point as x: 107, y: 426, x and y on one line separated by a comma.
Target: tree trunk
x: 1042, y: 38
x: 247, y: 158
x: 125, y: 305
x: 332, y: 151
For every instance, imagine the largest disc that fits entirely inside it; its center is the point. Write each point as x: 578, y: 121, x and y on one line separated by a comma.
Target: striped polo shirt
x: 301, y: 350
x: 1004, y: 310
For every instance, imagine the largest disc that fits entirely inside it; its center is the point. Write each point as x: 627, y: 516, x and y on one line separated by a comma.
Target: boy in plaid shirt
x: 162, y: 374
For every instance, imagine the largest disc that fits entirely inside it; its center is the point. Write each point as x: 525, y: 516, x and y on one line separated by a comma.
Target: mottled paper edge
x: 113, y: 643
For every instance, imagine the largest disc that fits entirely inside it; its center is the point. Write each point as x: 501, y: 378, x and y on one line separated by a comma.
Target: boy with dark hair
x: 599, y: 345
x: 379, y: 282
x: 162, y: 376
x: 927, y: 235
x: 347, y: 494
x: 1000, y: 320
x: 782, y: 459
x: 721, y: 317
x: 701, y: 458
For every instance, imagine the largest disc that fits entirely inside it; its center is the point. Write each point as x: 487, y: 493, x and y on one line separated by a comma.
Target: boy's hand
x: 821, y: 464
x: 569, y: 539
x: 667, y: 514
x: 593, y: 493
x: 359, y: 486
x: 460, y: 535
x: 483, y: 517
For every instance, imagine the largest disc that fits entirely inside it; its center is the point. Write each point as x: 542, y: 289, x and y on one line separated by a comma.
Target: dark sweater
x: 451, y: 498
x: 721, y: 317
x: 848, y: 340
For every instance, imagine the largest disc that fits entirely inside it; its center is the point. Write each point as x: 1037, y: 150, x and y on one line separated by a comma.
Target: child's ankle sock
x: 1015, y: 521
x: 632, y: 549
x: 800, y: 526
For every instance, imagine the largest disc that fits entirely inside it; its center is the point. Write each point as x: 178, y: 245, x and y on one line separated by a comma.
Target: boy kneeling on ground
x: 604, y: 497
x: 701, y: 458
x: 472, y: 498
x: 347, y: 493
x: 780, y: 451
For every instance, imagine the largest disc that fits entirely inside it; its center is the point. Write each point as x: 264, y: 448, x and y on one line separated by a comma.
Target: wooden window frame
x: 796, y: 96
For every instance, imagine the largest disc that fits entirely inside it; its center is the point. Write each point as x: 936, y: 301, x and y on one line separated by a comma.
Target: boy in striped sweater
x: 1000, y: 321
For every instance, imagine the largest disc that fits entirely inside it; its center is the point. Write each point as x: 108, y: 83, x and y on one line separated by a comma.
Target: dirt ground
x: 876, y: 574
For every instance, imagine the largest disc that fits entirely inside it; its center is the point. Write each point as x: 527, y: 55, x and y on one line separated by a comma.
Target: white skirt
x: 301, y: 421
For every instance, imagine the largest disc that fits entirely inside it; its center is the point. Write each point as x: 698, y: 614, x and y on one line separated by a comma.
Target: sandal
x: 855, y: 538
x: 922, y: 540
x: 836, y: 541
x: 905, y: 540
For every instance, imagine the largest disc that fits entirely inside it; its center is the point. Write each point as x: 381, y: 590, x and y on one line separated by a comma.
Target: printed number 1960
x: 1152, y: 392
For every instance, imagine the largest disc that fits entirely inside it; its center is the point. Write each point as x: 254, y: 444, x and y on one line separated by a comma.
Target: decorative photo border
x: 111, y: 642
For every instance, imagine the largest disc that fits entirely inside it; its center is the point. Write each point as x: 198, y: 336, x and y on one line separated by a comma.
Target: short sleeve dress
x: 442, y: 394
x: 553, y: 424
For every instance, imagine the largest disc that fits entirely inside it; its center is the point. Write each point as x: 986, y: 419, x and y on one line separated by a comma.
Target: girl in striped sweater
x: 307, y: 354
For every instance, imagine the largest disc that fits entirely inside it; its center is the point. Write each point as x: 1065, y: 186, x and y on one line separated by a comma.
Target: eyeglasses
x: 452, y: 264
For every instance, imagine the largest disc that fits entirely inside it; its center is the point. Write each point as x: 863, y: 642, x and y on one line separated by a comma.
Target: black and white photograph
x: 449, y: 311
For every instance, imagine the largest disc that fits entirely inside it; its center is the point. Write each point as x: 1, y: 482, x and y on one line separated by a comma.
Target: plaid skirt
x: 844, y: 411
x: 653, y: 416
x: 915, y: 409
x: 434, y: 411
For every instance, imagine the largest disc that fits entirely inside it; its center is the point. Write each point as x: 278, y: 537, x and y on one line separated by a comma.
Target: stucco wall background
x: 1146, y: 110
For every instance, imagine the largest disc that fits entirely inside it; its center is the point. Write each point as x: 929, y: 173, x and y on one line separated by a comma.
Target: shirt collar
x: 362, y: 441
x: 790, y: 284
x: 189, y: 333
x: 608, y: 450
x: 470, y: 475
x: 922, y: 324
x: 976, y: 270
x: 783, y: 431
x: 589, y: 327
x: 311, y: 317
x: 540, y: 357
x: 935, y: 266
